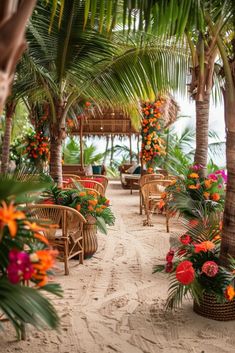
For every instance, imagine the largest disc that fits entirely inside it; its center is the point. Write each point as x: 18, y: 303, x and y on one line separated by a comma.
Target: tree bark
x: 10, y: 108
x: 202, y: 130
x: 228, y: 232
x: 56, y: 160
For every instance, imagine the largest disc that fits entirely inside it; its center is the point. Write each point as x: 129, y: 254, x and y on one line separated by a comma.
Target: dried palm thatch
x: 118, y: 122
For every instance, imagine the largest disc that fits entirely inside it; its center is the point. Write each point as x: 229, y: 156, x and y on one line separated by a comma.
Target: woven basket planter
x: 90, y: 239
x: 211, y: 309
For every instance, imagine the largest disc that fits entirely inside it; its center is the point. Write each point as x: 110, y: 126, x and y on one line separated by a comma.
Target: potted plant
x: 195, y: 269
x: 96, y: 210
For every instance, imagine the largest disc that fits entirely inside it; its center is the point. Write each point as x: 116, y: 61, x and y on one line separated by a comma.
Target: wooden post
x: 130, y: 149
x: 81, y: 144
x: 112, y: 152
x: 138, y: 148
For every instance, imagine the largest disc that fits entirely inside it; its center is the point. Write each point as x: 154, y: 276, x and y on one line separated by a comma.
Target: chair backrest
x: 100, y: 178
x: 92, y: 184
x: 154, y: 188
x: 171, y: 177
x: 69, y: 220
x: 68, y: 181
x: 148, y: 177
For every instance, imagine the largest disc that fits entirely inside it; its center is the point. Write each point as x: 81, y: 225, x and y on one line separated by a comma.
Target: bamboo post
x: 111, y: 156
x: 81, y: 145
x: 130, y: 149
x: 138, y: 148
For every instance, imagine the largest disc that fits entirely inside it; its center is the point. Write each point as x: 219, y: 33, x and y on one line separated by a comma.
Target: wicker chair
x: 101, y: 179
x: 68, y: 181
x: 144, y: 179
x: 151, y: 193
x: 92, y: 184
x: 68, y: 237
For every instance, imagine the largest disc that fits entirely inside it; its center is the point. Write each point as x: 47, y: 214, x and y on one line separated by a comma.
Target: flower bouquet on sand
x: 194, y: 265
x: 26, y: 262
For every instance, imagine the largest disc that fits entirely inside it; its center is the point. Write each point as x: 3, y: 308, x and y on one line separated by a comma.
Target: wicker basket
x: 211, y: 309
x: 90, y: 239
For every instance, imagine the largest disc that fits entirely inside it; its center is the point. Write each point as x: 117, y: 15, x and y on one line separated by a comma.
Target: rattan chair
x: 68, y: 181
x: 102, y: 180
x: 151, y: 193
x: 68, y: 237
x: 144, y: 179
x: 92, y: 184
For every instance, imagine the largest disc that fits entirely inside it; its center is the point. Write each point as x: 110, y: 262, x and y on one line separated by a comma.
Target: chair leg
x: 141, y: 203
x: 66, y: 255
x: 167, y: 221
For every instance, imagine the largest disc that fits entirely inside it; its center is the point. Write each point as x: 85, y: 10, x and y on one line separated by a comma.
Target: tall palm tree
x: 70, y: 63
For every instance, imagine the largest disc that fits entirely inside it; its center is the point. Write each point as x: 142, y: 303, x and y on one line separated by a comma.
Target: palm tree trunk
x: 10, y: 108
x: 202, y: 129
x: 228, y: 233
x: 56, y: 160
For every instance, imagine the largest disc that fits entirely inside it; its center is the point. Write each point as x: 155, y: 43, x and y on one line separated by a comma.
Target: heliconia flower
x: 210, y: 268
x: 9, y: 216
x: 185, y: 239
x: 19, y: 267
x: 185, y: 273
x: 229, y: 292
x: 170, y: 255
x: 204, y: 246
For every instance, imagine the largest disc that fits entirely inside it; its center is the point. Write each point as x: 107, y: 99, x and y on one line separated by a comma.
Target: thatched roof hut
x: 116, y: 122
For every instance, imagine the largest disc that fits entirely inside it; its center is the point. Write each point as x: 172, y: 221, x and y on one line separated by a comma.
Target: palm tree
x: 69, y: 64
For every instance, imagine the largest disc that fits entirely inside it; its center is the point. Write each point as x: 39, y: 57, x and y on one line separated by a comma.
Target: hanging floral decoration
x: 37, y: 147
x: 153, y: 146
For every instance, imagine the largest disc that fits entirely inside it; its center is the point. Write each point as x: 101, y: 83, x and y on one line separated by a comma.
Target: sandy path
x: 113, y: 303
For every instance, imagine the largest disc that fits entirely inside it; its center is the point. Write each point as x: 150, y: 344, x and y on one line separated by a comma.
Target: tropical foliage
x: 96, y: 209
x: 194, y: 266
x: 25, y: 258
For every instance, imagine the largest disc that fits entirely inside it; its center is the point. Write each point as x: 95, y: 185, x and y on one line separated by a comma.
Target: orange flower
x: 78, y: 207
x: 161, y: 204
x: 193, y: 222
x: 163, y: 195
x: 9, y: 216
x: 41, y: 238
x: 193, y: 176
x: 90, y: 208
x: 204, y: 246
x: 33, y: 226
x: 92, y: 193
x: 82, y: 193
x: 215, y: 196
x: 194, y: 187
x: 173, y: 182
x: 217, y: 237
x: 206, y: 195
x: 93, y: 202
x: 207, y: 184
x: 229, y: 292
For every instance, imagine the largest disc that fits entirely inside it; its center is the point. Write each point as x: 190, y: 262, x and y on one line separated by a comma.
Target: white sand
x: 113, y: 303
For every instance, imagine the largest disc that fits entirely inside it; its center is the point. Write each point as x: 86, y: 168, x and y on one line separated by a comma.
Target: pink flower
x: 170, y: 256
x: 185, y: 239
x: 19, y: 267
x: 210, y: 268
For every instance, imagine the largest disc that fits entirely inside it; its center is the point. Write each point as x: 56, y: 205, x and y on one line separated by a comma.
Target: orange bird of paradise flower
x: 9, y: 216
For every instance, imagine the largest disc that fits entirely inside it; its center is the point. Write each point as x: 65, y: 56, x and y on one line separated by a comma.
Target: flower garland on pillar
x: 153, y: 146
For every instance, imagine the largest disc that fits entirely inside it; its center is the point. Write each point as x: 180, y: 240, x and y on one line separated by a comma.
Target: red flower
x: 170, y: 256
x: 185, y: 239
x: 181, y: 252
x: 185, y: 272
x: 169, y: 267
x: 210, y: 268
x: 204, y: 246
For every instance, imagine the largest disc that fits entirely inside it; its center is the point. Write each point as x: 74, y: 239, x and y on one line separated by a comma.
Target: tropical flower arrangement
x: 26, y: 262
x: 153, y: 146
x: 37, y: 147
x: 96, y: 209
x: 193, y: 196
x: 194, y: 265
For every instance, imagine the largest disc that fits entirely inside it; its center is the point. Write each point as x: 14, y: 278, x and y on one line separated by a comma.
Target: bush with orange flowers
x: 153, y: 146
x: 188, y: 192
x: 194, y: 265
x: 37, y: 148
x: 26, y: 262
x: 96, y: 209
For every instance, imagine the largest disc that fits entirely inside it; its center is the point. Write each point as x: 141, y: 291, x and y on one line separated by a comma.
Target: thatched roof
x: 118, y: 122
